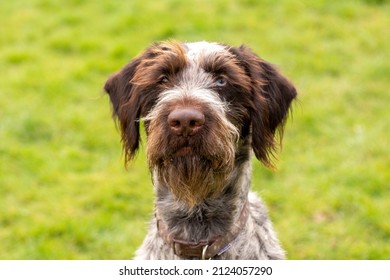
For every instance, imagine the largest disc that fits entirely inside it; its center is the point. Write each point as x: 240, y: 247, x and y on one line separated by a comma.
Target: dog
x: 206, y: 108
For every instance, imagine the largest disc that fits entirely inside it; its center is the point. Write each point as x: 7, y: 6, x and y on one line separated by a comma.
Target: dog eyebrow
x: 216, y: 64
x: 167, y: 58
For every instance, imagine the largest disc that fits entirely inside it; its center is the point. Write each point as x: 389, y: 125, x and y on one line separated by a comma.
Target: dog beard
x: 192, y: 178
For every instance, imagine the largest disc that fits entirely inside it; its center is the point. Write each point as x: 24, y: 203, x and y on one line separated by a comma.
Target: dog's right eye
x: 163, y: 80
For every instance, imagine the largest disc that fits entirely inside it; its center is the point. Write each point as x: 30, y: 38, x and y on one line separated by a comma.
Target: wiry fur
x: 202, y: 181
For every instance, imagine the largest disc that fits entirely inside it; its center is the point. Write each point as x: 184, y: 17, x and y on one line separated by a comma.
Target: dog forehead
x: 197, y: 49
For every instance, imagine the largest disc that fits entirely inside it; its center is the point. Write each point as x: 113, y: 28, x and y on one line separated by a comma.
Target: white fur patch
x: 202, y: 48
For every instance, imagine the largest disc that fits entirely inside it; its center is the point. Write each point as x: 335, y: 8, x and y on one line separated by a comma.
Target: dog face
x: 204, y: 105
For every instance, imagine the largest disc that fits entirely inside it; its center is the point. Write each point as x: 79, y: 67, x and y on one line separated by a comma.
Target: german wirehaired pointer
x: 205, y: 107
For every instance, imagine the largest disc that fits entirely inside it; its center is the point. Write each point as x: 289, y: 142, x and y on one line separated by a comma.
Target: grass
x: 64, y: 193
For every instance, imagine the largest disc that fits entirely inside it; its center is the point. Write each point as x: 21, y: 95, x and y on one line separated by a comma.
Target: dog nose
x: 185, y: 121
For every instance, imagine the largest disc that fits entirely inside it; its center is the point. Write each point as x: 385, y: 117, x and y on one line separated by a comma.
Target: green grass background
x: 64, y: 192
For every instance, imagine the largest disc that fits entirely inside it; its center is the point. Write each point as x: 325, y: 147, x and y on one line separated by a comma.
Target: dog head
x: 203, y: 104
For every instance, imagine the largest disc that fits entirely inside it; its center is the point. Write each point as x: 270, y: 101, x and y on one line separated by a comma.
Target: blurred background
x: 64, y: 191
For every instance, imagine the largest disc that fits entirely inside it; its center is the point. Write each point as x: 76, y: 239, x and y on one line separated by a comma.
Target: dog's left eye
x: 220, y: 82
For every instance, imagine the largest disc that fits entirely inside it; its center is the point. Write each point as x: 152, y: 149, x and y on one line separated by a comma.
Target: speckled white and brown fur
x: 234, y: 103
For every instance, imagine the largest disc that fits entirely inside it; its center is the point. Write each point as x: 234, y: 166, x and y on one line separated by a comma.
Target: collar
x: 204, y: 249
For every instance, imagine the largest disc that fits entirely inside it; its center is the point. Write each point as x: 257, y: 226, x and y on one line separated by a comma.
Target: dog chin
x: 187, y: 155
x: 191, y: 178
x: 185, y: 160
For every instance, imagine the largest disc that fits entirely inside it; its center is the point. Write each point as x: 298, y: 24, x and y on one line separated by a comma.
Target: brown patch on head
x: 160, y: 64
x: 238, y: 89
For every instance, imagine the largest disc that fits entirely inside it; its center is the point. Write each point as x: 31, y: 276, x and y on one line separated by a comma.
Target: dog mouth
x: 186, y: 153
x: 183, y: 147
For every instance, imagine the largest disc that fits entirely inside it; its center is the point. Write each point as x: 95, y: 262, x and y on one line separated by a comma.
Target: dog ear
x: 126, y: 106
x: 272, y: 94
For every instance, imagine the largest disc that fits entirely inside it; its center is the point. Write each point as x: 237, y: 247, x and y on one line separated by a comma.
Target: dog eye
x: 163, y: 80
x: 221, y: 82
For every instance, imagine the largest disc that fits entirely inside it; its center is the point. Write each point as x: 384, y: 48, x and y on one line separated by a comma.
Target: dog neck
x: 215, y: 216
x: 203, y: 249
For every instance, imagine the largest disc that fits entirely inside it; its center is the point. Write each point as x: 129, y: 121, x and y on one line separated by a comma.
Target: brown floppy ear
x: 126, y: 106
x: 272, y: 94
